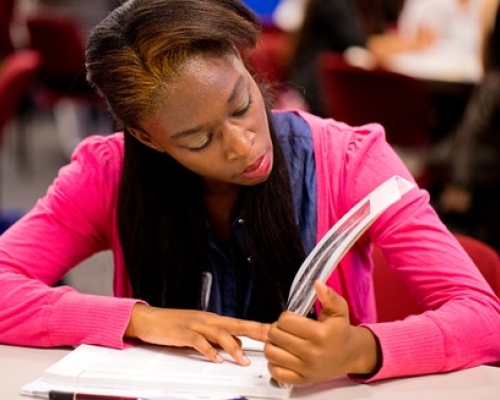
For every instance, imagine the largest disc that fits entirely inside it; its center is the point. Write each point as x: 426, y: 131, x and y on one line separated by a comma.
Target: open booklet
x: 161, y: 372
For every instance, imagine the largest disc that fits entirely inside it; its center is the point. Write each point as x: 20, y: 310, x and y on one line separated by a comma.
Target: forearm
x: 34, y: 314
x: 454, y: 337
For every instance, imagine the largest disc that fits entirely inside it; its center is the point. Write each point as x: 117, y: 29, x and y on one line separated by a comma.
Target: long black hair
x: 162, y: 226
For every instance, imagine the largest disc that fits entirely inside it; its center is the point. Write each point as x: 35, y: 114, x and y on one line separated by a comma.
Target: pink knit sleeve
x: 73, y: 221
x: 462, y: 327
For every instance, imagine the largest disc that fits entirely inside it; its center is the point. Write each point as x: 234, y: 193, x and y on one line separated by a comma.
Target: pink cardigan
x: 77, y: 218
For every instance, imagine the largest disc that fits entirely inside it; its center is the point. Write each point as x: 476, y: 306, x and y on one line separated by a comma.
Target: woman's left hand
x: 301, y: 350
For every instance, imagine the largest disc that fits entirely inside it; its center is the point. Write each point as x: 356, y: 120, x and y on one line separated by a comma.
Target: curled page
x: 324, y: 258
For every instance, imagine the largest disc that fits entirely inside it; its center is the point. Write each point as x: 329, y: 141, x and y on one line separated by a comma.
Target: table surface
x: 21, y: 365
x: 436, y: 65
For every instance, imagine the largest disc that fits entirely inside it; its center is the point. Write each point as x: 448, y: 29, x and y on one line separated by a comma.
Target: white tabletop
x: 437, y: 65
x: 20, y: 365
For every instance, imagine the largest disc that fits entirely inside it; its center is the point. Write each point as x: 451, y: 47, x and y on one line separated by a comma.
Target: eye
x: 206, y: 142
x: 241, y: 112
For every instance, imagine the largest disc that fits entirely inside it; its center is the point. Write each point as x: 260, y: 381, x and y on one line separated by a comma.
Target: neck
x: 222, y: 189
x: 219, y: 203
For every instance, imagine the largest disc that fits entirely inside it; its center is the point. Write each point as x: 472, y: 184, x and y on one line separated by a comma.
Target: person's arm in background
x: 406, y: 34
x: 412, y: 16
x: 385, y: 44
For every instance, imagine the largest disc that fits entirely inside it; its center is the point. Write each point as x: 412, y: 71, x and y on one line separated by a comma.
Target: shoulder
x: 96, y: 162
x: 343, y: 150
x: 100, y: 149
x: 85, y: 190
x: 335, y: 138
x: 293, y: 133
x: 351, y: 160
x: 290, y: 123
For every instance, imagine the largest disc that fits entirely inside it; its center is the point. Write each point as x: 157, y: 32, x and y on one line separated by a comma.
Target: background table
x: 437, y: 65
x: 20, y: 365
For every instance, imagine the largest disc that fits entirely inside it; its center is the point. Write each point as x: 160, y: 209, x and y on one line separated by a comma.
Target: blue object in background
x: 7, y: 218
x: 263, y: 8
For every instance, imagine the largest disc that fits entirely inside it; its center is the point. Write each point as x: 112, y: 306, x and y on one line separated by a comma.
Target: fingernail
x: 218, y: 358
x: 244, y: 359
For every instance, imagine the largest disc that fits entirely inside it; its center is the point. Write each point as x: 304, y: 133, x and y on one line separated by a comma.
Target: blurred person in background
x: 470, y: 200
x: 339, y: 25
x: 455, y: 26
x: 456, y: 30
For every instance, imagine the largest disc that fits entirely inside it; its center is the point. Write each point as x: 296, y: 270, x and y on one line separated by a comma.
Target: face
x: 213, y: 121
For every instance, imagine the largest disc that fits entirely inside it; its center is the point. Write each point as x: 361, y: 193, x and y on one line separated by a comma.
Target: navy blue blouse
x: 219, y: 292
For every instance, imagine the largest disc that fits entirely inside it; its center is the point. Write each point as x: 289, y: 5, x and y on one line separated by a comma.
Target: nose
x: 238, y: 141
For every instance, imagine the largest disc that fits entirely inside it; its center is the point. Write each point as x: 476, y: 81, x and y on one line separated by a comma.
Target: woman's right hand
x: 201, y: 330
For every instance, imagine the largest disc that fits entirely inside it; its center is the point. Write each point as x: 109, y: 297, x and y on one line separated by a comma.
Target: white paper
x: 165, y: 370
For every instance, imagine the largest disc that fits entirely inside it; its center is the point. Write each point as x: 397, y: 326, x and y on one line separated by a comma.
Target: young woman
x: 210, y: 202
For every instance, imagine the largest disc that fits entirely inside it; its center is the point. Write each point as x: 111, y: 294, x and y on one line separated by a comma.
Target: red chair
x: 400, y: 103
x: 17, y: 73
x: 59, y: 39
x: 396, y: 303
x: 358, y: 96
x: 269, y: 59
x: 63, y: 88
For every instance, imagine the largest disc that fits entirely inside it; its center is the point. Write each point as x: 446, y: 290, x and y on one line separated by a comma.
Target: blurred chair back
x: 269, y: 59
x: 394, y: 302
x: 400, y: 103
x: 63, y: 88
x: 17, y: 74
x: 59, y: 39
x: 358, y: 96
x: 6, y: 17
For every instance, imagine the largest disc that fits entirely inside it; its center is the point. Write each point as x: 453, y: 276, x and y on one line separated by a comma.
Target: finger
x: 253, y: 330
x: 231, y: 344
x: 284, y: 375
x: 333, y: 305
x: 203, y: 346
x: 221, y: 332
x: 291, y: 331
x: 282, y: 355
x: 208, y: 343
x: 238, y: 340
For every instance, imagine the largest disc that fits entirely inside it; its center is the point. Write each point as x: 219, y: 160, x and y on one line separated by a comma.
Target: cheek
x: 260, y: 116
x: 204, y: 164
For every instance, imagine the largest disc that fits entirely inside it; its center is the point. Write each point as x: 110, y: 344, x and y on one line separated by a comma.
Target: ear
x: 145, y: 139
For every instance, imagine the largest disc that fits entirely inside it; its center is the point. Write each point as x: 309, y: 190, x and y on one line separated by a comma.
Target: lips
x: 254, y: 166
x: 259, y: 169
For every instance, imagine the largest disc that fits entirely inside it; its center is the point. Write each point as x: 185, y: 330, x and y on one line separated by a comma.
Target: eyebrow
x: 197, y: 129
